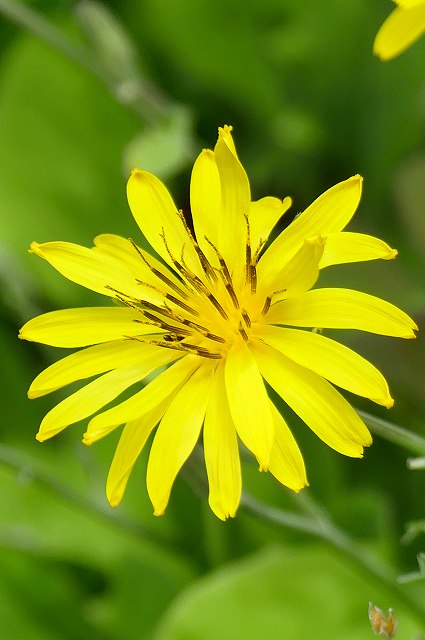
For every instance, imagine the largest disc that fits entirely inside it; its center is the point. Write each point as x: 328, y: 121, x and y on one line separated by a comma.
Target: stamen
x: 181, y: 304
x: 172, y: 337
x: 246, y: 318
x: 217, y: 305
x: 123, y: 297
x: 250, y: 261
x: 164, y: 325
x: 248, y: 256
x: 181, y: 346
x: 222, y: 262
x: 243, y: 332
x: 178, y: 266
x: 230, y: 290
x: 201, y: 255
x: 253, y: 278
x: 158, y: 273
x: 267, y: 304
x: 258, y: 250
x: 200, y: 329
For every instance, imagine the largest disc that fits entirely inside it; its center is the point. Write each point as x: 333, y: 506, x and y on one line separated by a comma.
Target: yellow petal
x: 130, y: 445
x: 401, y: 29
x: 225, y: 133
x: 316, y: 402
x: 90, y: 362
x: 136, y: 261
x: 157, y: 216
x: 299, y: 274
x: 88, y: 268
x: 329, y: 213
x: 221, y: 452
x: 234, y: 206
x: 343, y: 309
x: 161, y: 387
x: 82, y: 327
x: 286, y: 461
x: 177, y: 435
x: 264, y: 214
x: 94, y: 396
x: 248, y: 402
x: 335, y: 362
x: 345, y: 247
x: 408, y: 3
x: 205, y: 197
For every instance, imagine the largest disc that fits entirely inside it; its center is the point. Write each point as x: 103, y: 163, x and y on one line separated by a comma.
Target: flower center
x: 202, y: 313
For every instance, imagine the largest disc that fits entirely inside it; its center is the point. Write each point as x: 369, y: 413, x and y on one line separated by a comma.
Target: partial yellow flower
x: 401, y: 29
x: 200, y: 331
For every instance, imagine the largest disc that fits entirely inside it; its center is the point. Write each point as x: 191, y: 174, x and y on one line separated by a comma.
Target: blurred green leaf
x: 61, y: 141
x: 283, y: 592
x: 164, y: 149
x: 132, y: 569
x: 109, y: 40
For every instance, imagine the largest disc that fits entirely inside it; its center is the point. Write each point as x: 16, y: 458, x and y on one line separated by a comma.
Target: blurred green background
x: 146, y: 83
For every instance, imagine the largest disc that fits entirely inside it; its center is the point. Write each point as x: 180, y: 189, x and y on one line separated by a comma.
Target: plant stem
x: 394, y: 433
x: 25, y: 17
x: 141, y: 98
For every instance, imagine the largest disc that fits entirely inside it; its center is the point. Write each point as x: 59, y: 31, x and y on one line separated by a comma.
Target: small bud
x: 383, y: 625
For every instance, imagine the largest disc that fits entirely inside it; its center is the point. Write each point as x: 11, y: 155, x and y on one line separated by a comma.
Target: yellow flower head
x: 401, y: 29
x: 200, y: 330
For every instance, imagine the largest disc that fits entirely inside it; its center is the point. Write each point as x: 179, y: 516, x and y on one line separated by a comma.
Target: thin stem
x: 139, y: 96
x: 13, y: 459
x: 25, y: 17
x: 394, y: 433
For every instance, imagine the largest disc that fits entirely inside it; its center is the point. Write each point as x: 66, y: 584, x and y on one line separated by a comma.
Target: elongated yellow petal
x: 329, y: 359
x: 400, y: 30
x: 157, y: 217
x: 94, y: 396
x: 263, y: 216
x: 82, y: 327
x: 163, y: 386
x: 177, y: 435
x: 130, y: 445
x: 343, y: 309
x: 249, y: 403
x: 299, y: 274
x: 345, y: 247
x: 409, y: 3
x: 317, y: 403
x: 86, y: 267
x: 205, y: 198
x: 137, y: 260
x: 329, y: 213
x: 235, y: 204
x: 90, y: 362
x: 286, y: 461
x: 221, y: 452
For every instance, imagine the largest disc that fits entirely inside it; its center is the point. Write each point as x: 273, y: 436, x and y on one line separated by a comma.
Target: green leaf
x: 61, y: 141
x: 285, y: 592
x: 165, y: 149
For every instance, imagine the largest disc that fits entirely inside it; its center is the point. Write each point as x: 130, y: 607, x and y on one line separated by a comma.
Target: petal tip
x: 87, y: 439
x: 34, y: 248
x: 114, y: 500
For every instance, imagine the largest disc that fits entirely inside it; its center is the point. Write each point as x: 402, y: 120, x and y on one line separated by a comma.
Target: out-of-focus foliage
x: 310, y: 106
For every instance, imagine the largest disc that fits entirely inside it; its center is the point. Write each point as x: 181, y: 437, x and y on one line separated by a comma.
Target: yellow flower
x: 401, y: 29
x: 206, y: 326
